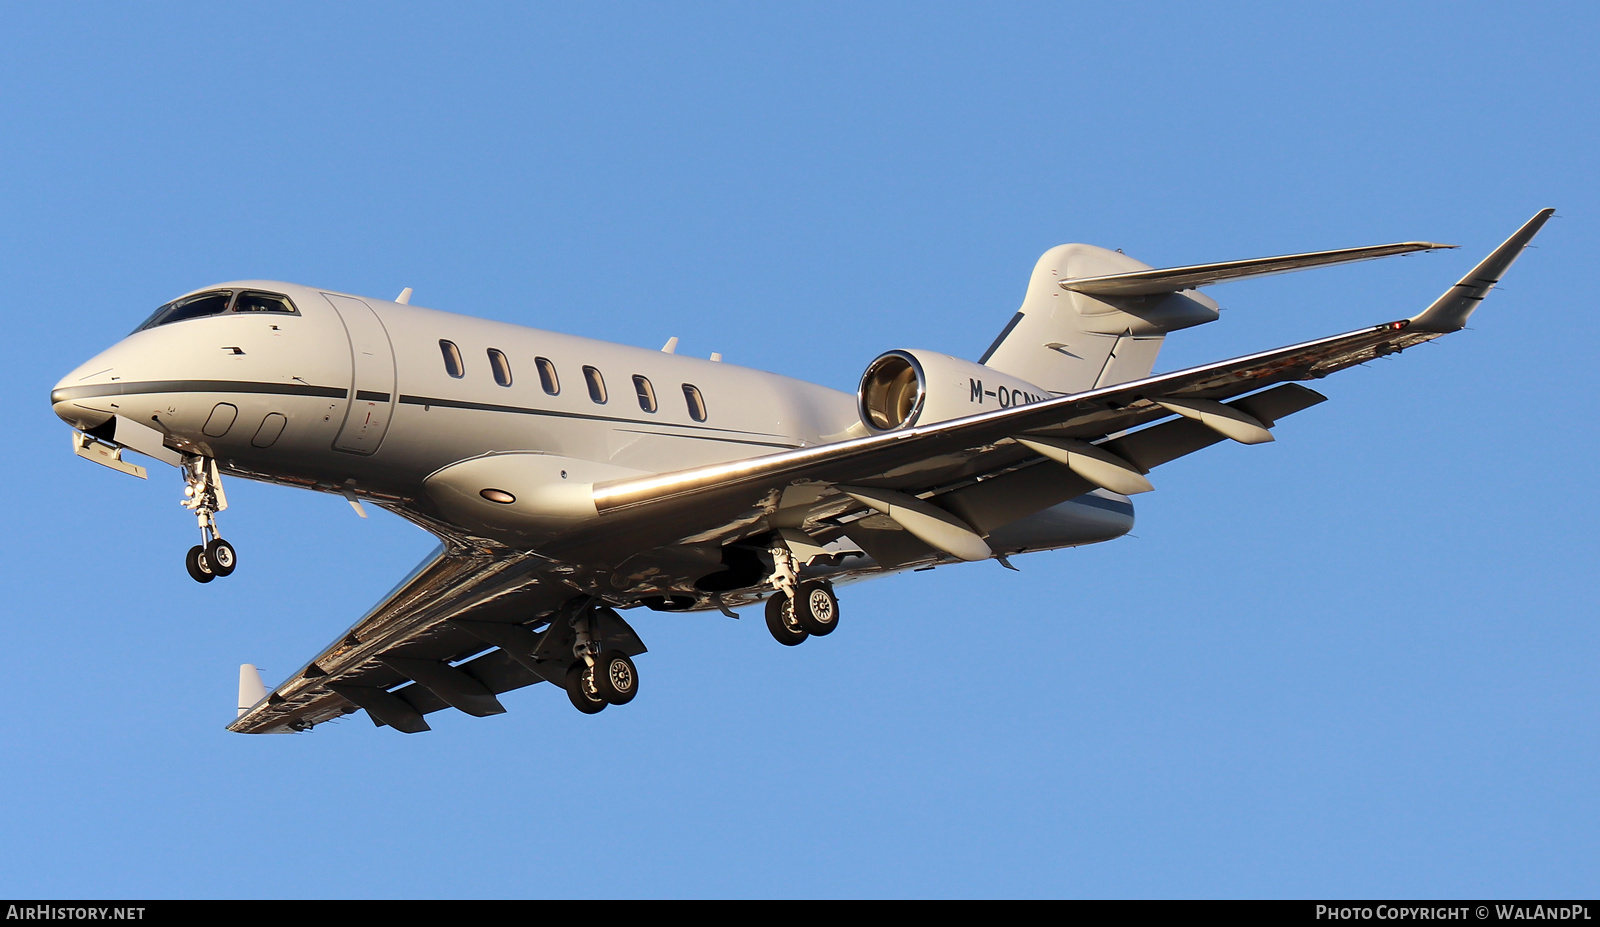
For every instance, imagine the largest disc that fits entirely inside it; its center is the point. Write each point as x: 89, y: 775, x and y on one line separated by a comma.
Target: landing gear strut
x: 203, y: 495
x: 598, y: 678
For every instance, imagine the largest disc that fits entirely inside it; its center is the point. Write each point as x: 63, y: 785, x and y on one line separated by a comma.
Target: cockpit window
x: 254, y: 301
x: 217, y: 302
x: 190, y: 307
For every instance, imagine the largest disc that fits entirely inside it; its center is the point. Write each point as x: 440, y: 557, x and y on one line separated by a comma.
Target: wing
x: 462, y: 628
x: 979, y: 467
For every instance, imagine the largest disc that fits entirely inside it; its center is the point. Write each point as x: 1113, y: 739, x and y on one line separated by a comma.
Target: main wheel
x: 615, y: 678
x: 221, y: 557
x: 818, y: 610
x: 579, y: 683
x: 781, y: 621
x: 195, y: 561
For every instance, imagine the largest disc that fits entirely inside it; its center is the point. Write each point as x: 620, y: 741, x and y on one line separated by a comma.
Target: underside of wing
x: 465, y: 626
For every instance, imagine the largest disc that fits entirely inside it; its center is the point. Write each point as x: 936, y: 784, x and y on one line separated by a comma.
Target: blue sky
x: 1360, y: 661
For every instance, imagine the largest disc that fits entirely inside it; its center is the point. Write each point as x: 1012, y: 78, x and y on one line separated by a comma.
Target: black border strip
x: 195, y: 386
x: 70, y: 393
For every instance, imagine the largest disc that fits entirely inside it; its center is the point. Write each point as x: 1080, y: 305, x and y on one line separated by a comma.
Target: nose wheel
x: 198, y: 566
x: 203, y: 495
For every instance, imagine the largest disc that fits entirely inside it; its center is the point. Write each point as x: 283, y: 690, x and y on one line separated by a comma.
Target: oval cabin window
x: 597, y: 384
x: 697, y: 403
x: 500, y: 366
x: 547, y: 375
x: 646, y: 393
x: 452, y: 359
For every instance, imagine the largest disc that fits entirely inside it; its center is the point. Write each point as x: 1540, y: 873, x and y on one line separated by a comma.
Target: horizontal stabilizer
x: 1172, y: 279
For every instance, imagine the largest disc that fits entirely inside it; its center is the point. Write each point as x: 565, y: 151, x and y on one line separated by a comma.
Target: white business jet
x: 568, y: 479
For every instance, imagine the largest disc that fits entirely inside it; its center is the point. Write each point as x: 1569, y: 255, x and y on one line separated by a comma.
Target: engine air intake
x: 891, y: 392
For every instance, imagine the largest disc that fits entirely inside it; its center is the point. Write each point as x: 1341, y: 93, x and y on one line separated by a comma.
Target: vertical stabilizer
x: 1068, y: 342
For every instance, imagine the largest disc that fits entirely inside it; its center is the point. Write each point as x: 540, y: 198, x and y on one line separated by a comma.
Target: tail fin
x: 1068, y: 342
x: 1093, y: 317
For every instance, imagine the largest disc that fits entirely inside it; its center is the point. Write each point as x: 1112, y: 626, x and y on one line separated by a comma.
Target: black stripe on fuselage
x: 196, y: 386
x: 70, y: 393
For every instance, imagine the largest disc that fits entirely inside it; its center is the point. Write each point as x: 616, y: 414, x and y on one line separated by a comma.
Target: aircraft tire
x: 818, y: 610
x: 221, y: 557
x: 199, y: 569
x: 780, y: 621
x: 578, y: 692
x: 616, y: 678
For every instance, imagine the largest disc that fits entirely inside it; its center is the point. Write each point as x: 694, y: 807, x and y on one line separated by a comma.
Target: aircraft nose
x: 74, y: 395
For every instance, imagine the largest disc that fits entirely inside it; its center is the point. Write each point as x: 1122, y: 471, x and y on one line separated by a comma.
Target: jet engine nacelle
x: 905, y: 388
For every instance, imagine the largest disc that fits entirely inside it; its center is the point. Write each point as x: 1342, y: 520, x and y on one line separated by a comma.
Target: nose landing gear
x: 203, y: 495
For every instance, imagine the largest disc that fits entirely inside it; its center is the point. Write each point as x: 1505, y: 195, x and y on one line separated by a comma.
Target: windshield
x: 217, y: 302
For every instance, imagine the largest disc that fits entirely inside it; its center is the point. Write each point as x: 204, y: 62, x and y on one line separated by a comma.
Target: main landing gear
x: 799, y: 610
x: 598, y: 678
x: 203, y: 495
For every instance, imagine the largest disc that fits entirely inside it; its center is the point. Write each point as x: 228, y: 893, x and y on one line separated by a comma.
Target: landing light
x: 497, y: 495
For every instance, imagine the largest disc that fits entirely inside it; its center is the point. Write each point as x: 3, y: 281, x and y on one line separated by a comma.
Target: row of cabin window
x: 501, y: 365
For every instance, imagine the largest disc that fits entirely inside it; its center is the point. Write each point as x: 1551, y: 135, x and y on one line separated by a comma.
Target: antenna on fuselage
x: 671, y: 347
x: 716, y: 356
x: 404, y: 298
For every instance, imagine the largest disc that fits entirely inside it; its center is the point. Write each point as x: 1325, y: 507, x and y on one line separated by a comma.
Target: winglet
x: 251, y: 688
x: 1450, y: 311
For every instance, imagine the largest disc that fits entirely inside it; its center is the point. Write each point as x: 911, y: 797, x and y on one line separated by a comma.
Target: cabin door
x: 372, y: 395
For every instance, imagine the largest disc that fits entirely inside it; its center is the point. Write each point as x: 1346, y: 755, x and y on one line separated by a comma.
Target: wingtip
x: 1451, y: 310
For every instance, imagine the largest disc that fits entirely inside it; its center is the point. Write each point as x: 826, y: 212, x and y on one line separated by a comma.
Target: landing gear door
x: 372, y: 382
